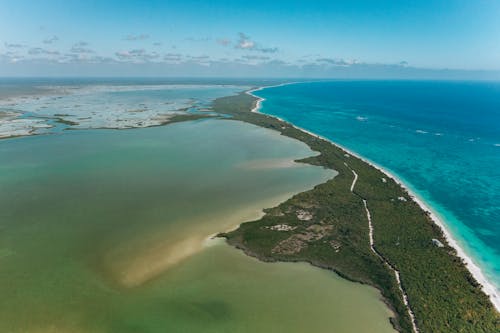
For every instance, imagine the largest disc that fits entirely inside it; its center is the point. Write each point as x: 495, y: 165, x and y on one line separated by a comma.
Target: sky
x: 290, y: 38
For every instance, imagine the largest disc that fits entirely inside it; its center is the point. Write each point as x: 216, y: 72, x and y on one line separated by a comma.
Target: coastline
x: 486, y: 286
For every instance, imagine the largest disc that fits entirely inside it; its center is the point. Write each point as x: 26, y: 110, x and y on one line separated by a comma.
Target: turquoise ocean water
x: 441, y: 138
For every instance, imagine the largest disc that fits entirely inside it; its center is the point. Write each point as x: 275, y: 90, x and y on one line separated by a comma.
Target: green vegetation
x: 66, y: 122
x: 186, y: 117
x: 174, y: 119
x: 327, y: 227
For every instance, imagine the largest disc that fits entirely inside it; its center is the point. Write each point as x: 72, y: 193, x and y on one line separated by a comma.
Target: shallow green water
x: 105, y: 231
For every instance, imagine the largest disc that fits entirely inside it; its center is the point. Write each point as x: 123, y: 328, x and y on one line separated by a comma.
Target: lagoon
x: 108, y: 231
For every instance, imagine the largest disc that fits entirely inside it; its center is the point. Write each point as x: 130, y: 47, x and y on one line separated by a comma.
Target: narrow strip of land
x: 327, y: 227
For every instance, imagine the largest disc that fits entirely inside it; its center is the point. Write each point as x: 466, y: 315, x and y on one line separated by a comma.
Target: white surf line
x: 372, y: 248
x: 260, y: 99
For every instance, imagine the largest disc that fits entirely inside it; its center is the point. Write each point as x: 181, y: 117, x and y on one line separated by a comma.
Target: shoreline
x: 486, y: 286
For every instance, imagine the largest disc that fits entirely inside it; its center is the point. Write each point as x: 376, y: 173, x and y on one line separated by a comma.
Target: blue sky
x: 243, y: 37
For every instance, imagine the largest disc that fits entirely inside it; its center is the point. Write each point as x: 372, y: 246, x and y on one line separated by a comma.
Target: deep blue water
x: 441, y: 138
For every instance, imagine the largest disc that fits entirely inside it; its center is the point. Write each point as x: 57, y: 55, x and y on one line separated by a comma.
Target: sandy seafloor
x: 108, y: 231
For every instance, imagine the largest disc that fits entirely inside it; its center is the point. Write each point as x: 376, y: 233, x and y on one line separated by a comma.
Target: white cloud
x: 81, y: 58
x: 14, y: 45
x: 223, y: 41
x: 81, y: 48
x: 203, y: 60
x: 336, y: 62
x: 136, y: 37
x: 50, y: 40
x: 246, y: 43
x: 11, y: 57
x: 201, y: 39
x: 202, y: 57
x: 256, y: 57
x: 41, y: 51
x: 137, y: 55
x: 172, y: 58
x: 268, y: 49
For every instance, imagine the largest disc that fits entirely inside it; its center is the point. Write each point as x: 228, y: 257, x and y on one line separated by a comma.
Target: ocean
x: 441, y: 138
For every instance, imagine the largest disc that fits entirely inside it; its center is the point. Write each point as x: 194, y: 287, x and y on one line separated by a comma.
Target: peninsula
x: 366, y: 227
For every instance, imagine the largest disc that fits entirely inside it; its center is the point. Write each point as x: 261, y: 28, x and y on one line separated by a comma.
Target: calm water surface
x: 106, y: 231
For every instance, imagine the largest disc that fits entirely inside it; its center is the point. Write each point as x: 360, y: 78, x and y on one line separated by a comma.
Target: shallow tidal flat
x: 44, y: 109
x: 106, y: 231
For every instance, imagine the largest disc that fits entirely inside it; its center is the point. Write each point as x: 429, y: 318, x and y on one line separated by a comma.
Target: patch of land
x: 13, y: 125
x: 366, y: 229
